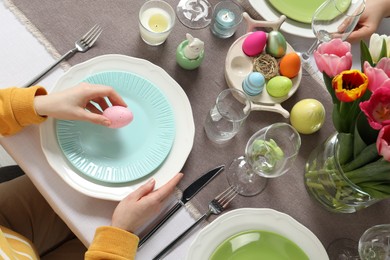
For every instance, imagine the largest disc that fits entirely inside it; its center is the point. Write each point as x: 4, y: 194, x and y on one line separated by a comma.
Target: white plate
x: 238, y: 65
x: 289, y: 26
x: 235, y: 221
x: 185, y: 128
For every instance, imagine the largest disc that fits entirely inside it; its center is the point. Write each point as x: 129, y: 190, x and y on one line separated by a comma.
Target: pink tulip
x: 379, y: 75
x: 333, y: 57
x: 377, y: 108
x: 383, y: 142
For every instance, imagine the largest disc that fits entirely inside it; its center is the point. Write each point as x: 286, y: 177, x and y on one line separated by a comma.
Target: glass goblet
x: 194, y: 14
x: 343, y: 249
x: 333, y: 19
x: 269, y: 153
x: 375, y: 243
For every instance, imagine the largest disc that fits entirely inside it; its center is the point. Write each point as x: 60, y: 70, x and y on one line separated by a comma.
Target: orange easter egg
x: 290, y: 65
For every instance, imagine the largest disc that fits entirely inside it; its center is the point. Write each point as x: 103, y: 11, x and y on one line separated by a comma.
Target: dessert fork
x: 216, y: 207
x: 82, y: 45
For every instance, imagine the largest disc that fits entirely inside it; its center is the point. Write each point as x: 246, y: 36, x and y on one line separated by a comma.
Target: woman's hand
x: 369, y: 21
x: 73, y: 103
x: 142, y: 204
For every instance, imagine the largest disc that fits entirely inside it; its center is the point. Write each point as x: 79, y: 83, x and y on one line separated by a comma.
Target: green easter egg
x: 279, y: 86
x: 276, y: 44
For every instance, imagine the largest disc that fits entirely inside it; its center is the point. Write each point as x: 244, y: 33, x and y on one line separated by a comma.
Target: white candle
x: 155, y: 25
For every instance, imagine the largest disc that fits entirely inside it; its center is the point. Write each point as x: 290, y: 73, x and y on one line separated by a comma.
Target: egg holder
x: 238, y: 65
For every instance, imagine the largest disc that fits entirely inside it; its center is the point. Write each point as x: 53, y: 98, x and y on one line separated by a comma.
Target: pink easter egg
x: 254, y: 43
x: 118, y: 115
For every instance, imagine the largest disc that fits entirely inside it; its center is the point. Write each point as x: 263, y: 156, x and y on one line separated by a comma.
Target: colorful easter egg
x: 254, y: 43
x: 279, y: 86
x: 307, y: 116
x: 290, y: 65
x: 276, y: 44
x: 253, y: 83
x: 118, y: 115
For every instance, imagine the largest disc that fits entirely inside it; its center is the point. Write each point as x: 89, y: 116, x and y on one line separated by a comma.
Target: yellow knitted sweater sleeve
x: 17, y: 109
x: 112, y: 243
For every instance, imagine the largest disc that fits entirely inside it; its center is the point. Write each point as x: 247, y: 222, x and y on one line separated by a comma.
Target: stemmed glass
x: 333, y: 19
x: 373, y: 244
x: 195, y: 14
x: 269, y: 153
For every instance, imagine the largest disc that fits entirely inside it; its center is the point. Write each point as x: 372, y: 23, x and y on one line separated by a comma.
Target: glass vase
x: 327, y: 183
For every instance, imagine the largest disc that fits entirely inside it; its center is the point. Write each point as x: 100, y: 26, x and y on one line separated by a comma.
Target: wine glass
x: 195, y: 14
x: 269, y: 153
x: 375, y: 243
x: 333, y: 19
x: 343, y: 249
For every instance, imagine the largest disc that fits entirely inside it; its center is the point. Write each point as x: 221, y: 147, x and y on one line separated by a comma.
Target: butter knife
x: 188, y: 193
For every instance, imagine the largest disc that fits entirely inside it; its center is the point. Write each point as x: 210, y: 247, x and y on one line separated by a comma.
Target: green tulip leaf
x: 383, y: 52
x: 367, y: 155
x: 345, y: 147
x: 365, y: 132
x: 328, y: 84
x: 365, y: 55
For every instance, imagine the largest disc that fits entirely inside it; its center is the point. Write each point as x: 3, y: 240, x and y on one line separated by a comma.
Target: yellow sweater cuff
x: 23, y: 105
x: 17, y: 109
x: 112, y: 243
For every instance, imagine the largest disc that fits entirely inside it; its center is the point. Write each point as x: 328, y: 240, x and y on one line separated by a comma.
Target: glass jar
x: 327, y: 183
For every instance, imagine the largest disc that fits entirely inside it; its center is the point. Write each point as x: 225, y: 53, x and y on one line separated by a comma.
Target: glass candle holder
x: 226, y: 18
x: 156, y: 20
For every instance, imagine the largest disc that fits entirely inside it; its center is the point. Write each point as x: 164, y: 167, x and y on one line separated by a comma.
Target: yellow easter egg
x: 307, y: 116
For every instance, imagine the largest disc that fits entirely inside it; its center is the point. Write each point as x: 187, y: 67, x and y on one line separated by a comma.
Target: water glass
x: 156, y: 20
x: 224, y: 120
x: 226, y: 18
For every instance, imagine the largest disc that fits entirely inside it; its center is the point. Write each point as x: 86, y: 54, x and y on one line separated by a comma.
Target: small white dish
x: 244, y: 219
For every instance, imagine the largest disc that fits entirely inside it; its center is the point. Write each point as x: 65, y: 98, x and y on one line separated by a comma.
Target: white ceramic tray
x: 238, y: 65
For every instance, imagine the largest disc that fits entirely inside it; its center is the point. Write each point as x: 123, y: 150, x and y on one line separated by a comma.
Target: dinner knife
x: 187, y: 195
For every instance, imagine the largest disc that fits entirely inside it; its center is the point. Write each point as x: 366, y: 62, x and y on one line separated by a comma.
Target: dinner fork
x: 82, y: 45
x: 216, y: 207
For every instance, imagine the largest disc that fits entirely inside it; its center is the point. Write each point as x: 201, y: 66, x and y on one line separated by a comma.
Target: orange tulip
x: 350, y: 85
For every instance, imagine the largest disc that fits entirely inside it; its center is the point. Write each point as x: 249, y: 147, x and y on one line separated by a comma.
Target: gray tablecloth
x: 59, y: 23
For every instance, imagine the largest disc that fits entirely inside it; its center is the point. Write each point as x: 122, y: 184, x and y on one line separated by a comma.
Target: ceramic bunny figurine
x: 190, y: 53
x: 194, y: 47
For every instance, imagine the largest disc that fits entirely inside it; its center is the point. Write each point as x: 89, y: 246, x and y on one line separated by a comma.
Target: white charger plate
x: 289, y: 26
x: 239, y: 220
x: 182, y: 144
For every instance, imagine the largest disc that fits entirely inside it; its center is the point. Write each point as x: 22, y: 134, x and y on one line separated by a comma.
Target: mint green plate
x: 116, y: 156
x: 298, y: 10
x: 258, y: 244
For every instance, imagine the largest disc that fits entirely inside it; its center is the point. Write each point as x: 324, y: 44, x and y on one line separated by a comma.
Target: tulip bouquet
x: 361, y: 110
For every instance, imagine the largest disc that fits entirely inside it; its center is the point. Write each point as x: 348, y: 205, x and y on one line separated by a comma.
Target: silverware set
x: 82, y: 45
x: 188, y: 193
x: 216, y: 207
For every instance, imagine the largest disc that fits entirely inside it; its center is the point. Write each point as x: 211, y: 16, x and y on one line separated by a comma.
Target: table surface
x: 21, y: 57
